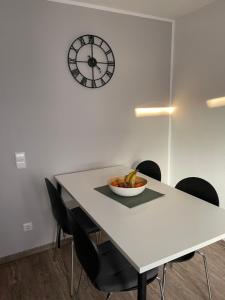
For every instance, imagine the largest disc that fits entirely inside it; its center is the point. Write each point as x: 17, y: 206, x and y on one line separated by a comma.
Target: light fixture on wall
x: 153, y: 111
x: 217, y: 102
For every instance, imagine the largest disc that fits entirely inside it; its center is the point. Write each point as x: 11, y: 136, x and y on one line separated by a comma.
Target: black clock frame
x: 92, y: 62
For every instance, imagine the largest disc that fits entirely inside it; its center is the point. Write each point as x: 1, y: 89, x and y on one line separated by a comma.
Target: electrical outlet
x: 20, y: 160
x: 28, y: 226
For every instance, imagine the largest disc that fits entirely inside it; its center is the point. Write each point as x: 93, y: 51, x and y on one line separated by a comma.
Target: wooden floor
x: 38, y: 277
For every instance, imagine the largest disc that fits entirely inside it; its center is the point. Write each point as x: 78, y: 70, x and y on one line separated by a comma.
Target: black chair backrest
x: 150, y: 168
x: 59, y: 210
x: 87, y: 252
x: 199, y: 188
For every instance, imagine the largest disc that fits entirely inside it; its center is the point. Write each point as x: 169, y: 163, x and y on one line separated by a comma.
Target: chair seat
x: 184, y: 257
x: 116, y: 272
x: 83, y: 220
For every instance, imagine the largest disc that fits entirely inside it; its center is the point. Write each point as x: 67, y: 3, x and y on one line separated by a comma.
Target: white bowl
x: 127, y: 192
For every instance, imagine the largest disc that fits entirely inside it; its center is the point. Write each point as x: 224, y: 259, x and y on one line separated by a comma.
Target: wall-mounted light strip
x: 217, y: 102
x: 153, y: 111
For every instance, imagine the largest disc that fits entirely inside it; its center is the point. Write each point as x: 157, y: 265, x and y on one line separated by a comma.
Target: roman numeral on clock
x: 75, y: 72
x: 108, y: 52
x: 111, y: 63
x: 84, y: 81
x: 93, y: 84
x: 74, y: 49
x: 91, y: 39
x: 102, y: 81
x: 82, y: 41
x: 109, y: 74
x: 72, y: 60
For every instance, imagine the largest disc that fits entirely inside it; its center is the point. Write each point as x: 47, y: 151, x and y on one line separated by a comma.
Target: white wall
x: 61, y: 125
x: 198, y: 133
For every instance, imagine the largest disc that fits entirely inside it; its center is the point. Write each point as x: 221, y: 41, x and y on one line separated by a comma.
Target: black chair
x: 65, y: 218
x: 106, y: 268
x: 202, y: 189
x: 149, y: 168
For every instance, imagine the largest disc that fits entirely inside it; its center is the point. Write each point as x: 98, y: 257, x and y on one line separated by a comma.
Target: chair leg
x: 57, y: 243
x: 206, y: 273
x: 98, y: 237
x: 78, y: 286
x: 108, y: 296
x: 161, y: 288
x: 164, y: 277
x: 59, y: 236
x: 72, y: 265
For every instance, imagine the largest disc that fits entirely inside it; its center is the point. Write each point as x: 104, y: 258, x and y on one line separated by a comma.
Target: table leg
x: 142, y: 283
x: 59, y: 189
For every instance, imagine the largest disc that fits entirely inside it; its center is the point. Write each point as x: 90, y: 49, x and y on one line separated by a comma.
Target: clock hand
x: 92, y: 50
x: 81, y: 61
x: 93, y: 76
x: 99, y: 69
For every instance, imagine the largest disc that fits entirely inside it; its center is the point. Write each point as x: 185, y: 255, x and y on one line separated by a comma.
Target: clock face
x: 91, y: 61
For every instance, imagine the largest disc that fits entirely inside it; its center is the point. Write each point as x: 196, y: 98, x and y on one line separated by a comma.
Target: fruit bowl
x: 118, y: 186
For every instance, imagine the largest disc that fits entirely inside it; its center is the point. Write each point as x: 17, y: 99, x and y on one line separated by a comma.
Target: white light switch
x: 20, y: 160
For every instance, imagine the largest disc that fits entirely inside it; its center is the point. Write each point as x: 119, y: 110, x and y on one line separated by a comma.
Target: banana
x: 127, y: 177
x: 130, y: 178
x: 133, y: 179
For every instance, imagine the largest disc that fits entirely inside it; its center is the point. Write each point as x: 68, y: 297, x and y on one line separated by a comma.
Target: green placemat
x: 146, y: 196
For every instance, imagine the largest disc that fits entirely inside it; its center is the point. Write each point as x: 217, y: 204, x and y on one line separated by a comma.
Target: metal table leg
x: 142, y: 281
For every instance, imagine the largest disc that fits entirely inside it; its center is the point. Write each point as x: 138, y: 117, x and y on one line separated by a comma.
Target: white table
x: 150, y: 234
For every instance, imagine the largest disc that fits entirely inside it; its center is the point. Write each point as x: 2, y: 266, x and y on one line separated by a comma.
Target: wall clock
x: 91, y: 61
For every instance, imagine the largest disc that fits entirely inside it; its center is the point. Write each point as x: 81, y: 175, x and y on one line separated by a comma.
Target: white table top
x: 153, y: 233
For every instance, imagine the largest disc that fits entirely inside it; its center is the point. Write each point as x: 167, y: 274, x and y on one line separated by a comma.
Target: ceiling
x: 170, y: 9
